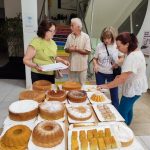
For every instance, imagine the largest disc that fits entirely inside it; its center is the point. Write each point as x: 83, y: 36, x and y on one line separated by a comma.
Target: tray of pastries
x: 98, y: 98
x: 92, y: 138
x: 124, y: 136
x: 79, y: 113
x: 107, y: 112
x: 114, y: 136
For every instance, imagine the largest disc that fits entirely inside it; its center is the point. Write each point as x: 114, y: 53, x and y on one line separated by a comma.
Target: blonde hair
x: 77, y: 21
x: 108, y: 32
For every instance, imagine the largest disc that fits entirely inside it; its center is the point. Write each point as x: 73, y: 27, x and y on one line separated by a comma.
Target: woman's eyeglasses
x: 52, y: 31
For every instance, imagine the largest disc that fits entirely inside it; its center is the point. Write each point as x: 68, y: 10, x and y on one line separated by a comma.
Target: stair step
x: 60, y: 36
x: 62, y: 32
x: 60, y: 43
x: 60, y: 39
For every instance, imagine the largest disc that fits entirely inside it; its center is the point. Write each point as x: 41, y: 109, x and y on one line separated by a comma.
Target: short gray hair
x: 77, y: 21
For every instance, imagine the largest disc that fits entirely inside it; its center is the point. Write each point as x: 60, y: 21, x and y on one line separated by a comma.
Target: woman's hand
x: 114, y: 66
x: 102, y: 86
x: 95, y: 68
x: 38, y: 68
x: 66, y: 63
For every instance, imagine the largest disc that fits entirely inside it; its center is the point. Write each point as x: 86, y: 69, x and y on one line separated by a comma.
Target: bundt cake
x: 23, y: 110
x: 41, y: 85
x: 33, y: 95
x: 15, y: 138
x: 77, y: 96
x: 71, y: 85
x: 80, y: 113
x: 52, y: 110
x: 58, y: 95
x: 47, y: 134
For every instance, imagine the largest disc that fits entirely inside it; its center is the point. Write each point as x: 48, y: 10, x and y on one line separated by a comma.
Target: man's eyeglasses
x: 52, y: 31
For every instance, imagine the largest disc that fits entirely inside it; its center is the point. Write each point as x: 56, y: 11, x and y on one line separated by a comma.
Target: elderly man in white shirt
x: 78, y: 45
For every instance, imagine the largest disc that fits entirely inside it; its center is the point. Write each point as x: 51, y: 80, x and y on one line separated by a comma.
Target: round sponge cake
x: 23, y: 110
x: 41, y: 85
x: 52, y: 110
x: 33, y: 95
x: 71, y: 85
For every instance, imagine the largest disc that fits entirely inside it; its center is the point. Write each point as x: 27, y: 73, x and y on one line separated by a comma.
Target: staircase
x: 60, y: 38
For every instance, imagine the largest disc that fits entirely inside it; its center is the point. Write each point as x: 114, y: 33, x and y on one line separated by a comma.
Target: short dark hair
x: 108, y: 32
x: 44, y: 27
x: 127, y: 37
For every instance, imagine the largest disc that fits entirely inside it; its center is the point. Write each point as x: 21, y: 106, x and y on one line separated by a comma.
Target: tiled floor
x: 10, y: 89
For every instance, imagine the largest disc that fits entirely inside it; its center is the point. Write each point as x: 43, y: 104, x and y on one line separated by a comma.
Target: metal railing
x: 82, y: 8
x: 42, y: 14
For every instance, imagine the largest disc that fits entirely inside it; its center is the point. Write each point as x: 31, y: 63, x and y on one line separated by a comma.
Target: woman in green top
x: 42, y: 50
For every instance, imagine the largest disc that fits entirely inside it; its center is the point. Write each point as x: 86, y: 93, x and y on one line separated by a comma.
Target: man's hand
x: 72, y: 48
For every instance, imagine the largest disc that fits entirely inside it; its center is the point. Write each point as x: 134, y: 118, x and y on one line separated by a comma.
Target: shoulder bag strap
x: 107, y: 51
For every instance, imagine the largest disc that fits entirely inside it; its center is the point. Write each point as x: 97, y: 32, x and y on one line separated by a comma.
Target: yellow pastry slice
x: 101, y: 144
x: 107, y: 132
x: 84, y: 144
x: 93, y: 144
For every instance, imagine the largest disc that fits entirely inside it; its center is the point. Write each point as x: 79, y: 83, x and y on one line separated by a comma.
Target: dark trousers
x: 100, y: 79
x: 37, y: 76
x: 126, y: 107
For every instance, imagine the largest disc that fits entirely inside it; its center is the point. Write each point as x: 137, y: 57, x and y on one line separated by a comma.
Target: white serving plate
x: 70, y: 120
x: 89, y: 94
x: 134, y: 146
x: 102, y: 127
x: 8, y: 122
x: 93, y: 88
x: 77, y: 125
x: 61, y: 146
x: 113, y: 110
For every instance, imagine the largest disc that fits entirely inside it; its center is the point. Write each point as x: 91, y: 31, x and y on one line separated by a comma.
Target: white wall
x: 12, y: 8
x: 29, y: 15
x: 145, y: 27
x: 109, y: 13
